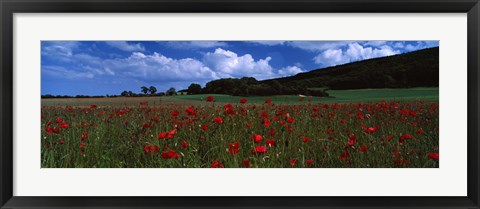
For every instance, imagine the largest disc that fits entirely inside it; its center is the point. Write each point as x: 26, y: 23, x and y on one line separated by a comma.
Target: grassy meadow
x: 381, y: 128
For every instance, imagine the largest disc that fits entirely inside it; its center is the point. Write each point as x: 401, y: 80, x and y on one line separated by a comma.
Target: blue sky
x: 110, y: 67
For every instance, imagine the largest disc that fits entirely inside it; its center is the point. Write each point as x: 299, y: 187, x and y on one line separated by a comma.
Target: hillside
x: 414, y: 69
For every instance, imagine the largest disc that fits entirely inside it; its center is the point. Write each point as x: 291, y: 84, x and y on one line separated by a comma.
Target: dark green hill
x: 414, y: 69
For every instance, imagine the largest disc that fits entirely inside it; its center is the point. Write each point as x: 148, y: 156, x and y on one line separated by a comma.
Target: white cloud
x: 66, y: 73
x: 60, y: 50
x: 125, y: 46
x: 354, y: 52
x: 229, y: 64
x: 194, y: 44
x: 290, y: 70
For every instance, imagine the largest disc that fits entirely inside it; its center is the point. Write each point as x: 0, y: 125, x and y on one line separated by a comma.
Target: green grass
x: 338, y: 96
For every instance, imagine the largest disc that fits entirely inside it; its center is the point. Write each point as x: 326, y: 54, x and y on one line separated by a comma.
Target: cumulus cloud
x: 228, y: 63
x: 290, y: 70
x: 354, y: 52
x: 194, y: 44
x: 125, y: 46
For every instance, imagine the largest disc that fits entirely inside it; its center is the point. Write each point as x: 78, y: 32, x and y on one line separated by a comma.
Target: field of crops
x: 161, y: 133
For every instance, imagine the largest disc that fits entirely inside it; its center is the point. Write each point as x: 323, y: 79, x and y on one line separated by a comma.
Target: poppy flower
x: 268, y: 101
x: 162, y: 135
x: 170, y: 154
x: 343, y: 121
x: 306, y: 139
x: 272, y: 132
x: 266, y: 122
x: 351, y: 142
x: 175, y: 113
x: 404, y: 137
x: 58, y: 120
x: 217, y: 164
x: 345, y: 155
x: 210, y: 99
x: 204, y: 127
x: 218, y: 120
x: 270, y: 142
x: 234, y: 148
x: 243, y: 100
x: 93, y: 106
x: 257, y: 138
x: 363, y: 148
x: 309, y: 162
x: 433, y: 155
x: 246, y: 163
x: 61, y: 141
x: 389, y: 137
x: 293, y: 162
x: 184, y: 144
x: 260, y: 149
x: 63, y: 125
x: 290, y: 120
x: 420, y: 131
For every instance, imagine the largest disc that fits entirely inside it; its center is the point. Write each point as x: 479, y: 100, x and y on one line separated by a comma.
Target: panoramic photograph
x: 240, y: 104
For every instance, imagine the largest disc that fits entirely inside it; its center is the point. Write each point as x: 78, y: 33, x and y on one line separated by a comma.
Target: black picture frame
x: 9, y: 7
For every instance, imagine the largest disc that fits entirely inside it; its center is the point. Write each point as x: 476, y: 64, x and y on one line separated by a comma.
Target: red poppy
x: 404, y: 137
x: 343, y: 121
x: 306, y: 139
x: 260, y: 149
x: 217, y: 164
x: 433, y: 155
x: 58, y: 120
x: 63, y: 125
x: 270, y: 142
x: 190, y: 111
x: 351, y: 142
x: 266, y: 122
x: 175, y: 113
x: 210, y: 99
x: 420, y: 131
x: 204, y: 127
x: 61, y: 141
x: 345, y: 155
x: 293, y: 162
x: 243, y: 100
x: 363, y: 148
x: 290, y: 120
x: 84, y: 135
x: 184, y: 144
x: 170, y: 154
x: 389, y: 137
x: 309, y: 162
x: 257, y: 138
x: 268, y: 101
x: 272, y: 132
x: 93, y: 106
x: 246, y: 163
x: 234, y: 148
x: 218, y: 120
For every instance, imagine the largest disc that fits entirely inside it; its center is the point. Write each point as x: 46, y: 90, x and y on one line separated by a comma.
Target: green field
x: 339, y: 96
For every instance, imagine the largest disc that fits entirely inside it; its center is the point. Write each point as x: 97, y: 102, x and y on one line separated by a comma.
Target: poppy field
x: 242, y: 134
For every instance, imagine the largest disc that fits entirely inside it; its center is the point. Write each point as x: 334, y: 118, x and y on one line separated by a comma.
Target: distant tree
x: 152, y: 90
x: 171, y: 91
x: 131, y: 94
x: 144, y: 89
x: 194, y: 89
